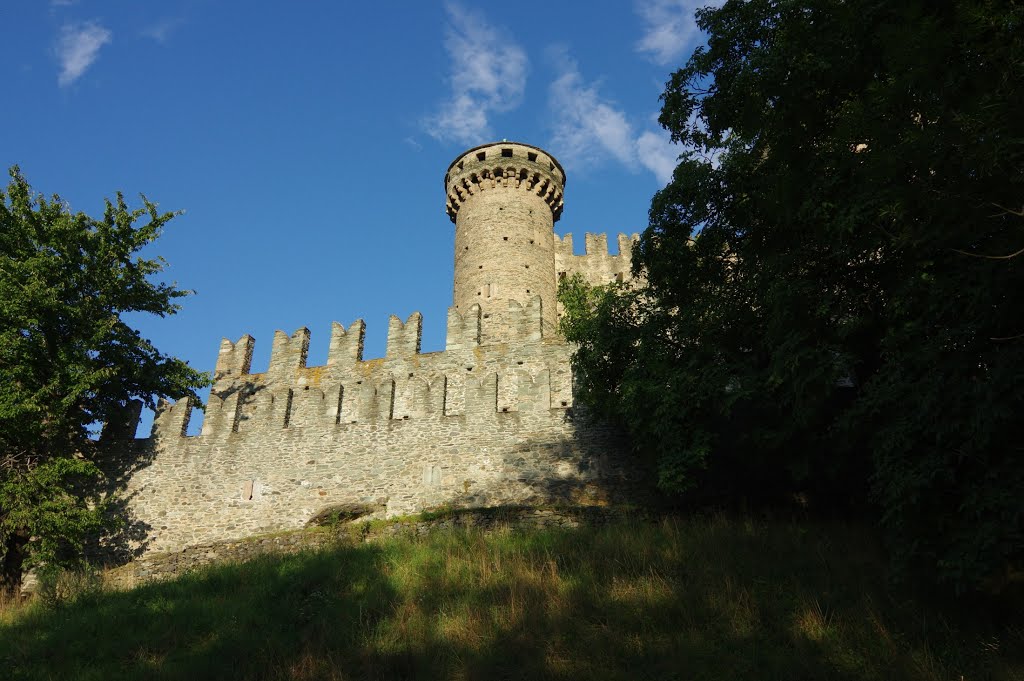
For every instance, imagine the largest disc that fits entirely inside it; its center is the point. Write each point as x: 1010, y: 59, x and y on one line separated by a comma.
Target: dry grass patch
x: 703, y: 598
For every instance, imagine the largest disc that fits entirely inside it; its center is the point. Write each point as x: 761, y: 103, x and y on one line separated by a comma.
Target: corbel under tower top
x: 521, y: 164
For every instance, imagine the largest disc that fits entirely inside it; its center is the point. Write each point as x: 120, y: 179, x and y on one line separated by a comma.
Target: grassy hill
x: 702, y: 598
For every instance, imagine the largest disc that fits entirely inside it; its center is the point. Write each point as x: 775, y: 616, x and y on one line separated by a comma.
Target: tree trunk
x: 13, y: 561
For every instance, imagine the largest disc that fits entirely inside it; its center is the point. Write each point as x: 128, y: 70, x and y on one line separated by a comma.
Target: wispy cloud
x: 669, y: 28
x: 590, y: 129
x: 656, y: 152
x: 78, y: 46
x: 487, y: 75
x: 587, y: 126
x: 161, y: 30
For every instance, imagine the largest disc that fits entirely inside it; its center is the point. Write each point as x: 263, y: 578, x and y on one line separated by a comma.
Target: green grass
x: 712, y: 598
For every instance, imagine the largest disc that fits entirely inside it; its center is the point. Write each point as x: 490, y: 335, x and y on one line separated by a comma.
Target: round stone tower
x: 504, y: 199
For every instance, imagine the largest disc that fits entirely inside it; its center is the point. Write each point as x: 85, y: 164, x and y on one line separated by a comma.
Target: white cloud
x: 586, y: 126
x: 487, y: 75
x: 657, y: 153
x: 161, y: 30
x: 77, y: 48
x: 669, y: 28
x: 589, y: 129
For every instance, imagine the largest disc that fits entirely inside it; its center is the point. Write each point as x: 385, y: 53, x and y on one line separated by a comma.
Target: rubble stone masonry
x: 489, y: 421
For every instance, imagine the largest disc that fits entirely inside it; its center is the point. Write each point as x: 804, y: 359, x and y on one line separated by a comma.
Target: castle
x: 489, y: 421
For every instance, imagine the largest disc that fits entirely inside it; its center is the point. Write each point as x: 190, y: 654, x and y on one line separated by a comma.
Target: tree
x: 69, y: 360
x: 834, y: 280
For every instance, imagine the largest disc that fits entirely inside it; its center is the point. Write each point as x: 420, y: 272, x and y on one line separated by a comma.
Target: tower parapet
x: 504, y: 199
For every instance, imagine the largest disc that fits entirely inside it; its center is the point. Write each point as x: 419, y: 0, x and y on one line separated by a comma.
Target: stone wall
x: 504, y: 200
x: 489, y: 421
x: 596, y: 265
x: 476, y: 425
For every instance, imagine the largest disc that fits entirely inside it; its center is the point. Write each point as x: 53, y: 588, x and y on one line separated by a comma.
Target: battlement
x: 404, y: 337
x: 260, y: 409
x: 489, y: 420
x: 172, y: 418
x: 463, y: 329
x: 234, y: 359
x: 288, y: 354
x: 597, y: 266
x: 506, y: 165
x: 346, y: 346
x: 404, y: 384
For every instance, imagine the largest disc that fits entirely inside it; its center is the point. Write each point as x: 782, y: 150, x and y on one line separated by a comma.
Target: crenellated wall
x: 488, y: 421
x: 479, y: 424
x: 596, y: 266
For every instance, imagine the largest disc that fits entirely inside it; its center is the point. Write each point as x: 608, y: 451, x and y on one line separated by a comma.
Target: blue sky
x: 307, y: 141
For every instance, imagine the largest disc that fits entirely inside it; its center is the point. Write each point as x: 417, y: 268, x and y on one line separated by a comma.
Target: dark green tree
x: 834, y: 296
x: 69, y: 361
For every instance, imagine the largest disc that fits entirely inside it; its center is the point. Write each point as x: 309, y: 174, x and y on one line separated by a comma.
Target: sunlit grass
x: 703, y: 598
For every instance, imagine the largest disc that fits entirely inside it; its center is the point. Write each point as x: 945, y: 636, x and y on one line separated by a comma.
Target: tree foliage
x: 69, y: 360
x: 833, y: 296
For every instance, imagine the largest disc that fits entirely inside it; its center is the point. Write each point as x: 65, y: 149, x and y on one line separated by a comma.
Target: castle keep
x: 488, y: 421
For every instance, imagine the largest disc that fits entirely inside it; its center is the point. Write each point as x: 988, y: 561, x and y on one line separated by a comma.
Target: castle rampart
x: 596, y: 266
x: 490, y: 420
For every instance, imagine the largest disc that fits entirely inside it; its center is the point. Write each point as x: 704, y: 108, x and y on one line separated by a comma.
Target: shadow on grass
x: 699, y: 599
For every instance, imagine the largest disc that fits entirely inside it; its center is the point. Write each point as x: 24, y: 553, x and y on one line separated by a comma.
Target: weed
x: 701, y: 598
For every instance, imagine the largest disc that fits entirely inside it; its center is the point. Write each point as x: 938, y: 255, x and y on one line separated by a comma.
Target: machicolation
x: 489, y: 421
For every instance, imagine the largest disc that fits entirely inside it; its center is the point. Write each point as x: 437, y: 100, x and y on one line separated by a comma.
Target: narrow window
x: 288, y: 408
x: 247, y: 490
